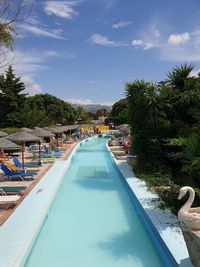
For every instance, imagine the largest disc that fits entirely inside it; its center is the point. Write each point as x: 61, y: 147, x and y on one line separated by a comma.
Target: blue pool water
x: 92, y: 221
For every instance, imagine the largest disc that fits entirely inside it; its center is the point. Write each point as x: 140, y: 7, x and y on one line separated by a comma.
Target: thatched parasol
x: 125, y: 128
x: 27, y: 130
x: 55, y: 130
x: 3, y: 134
x: 66, y: 128
x: 8, y: 145
x: 22, y: 138
x: 41, y: 133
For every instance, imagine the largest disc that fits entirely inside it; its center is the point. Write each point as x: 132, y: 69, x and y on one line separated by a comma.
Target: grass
x: 11, y: 130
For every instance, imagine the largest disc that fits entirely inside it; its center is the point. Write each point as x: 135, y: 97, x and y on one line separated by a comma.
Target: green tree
x: 146, y: 115
x: 81, y: 114
x: 7, y: 33
x: 12, y: 99
x: 52, y: 110
x: 165, y: 123
x: 101, y: 112
x: 119, y: 112
x: 183, y: 143
x: 11, y: 12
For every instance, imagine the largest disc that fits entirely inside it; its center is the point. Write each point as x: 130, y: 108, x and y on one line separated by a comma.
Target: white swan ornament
x: 189, y: 217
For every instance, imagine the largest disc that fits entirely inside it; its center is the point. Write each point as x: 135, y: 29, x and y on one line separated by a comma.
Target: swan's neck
x: 189, y: 202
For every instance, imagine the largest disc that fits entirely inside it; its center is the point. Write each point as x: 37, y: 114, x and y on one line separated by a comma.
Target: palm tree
x: 155, y: 112
x: 135, y: 93
x: 145, y: 109
x: 177, y: 78
x: 81, y: 114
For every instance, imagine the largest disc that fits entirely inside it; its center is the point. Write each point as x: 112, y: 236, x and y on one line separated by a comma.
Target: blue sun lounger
x: 12, y: 174
x: 19, y: 165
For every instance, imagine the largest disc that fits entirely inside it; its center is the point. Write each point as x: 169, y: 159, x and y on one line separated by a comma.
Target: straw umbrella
x: 123, y: 127
x: 27, y: 130
x: 3, y: 134
x: 69, y: 128
x: 41, y: 133
x: 8, y: 145
x: 56, y: 130
x: 22, y: 138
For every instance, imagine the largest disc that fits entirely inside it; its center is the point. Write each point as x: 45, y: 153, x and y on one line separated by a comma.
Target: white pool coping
x: 164, y: 221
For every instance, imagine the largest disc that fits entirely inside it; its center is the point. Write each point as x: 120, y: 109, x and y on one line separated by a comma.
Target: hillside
x: 93, y: 108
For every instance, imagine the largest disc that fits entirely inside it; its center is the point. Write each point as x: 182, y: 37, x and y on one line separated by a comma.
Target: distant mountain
x: 92, y: 108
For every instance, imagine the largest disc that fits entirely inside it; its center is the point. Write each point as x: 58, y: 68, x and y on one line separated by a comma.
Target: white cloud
x: 109, y: 3
x: 188, y: 51
x: 33, y: 20
x: 121, y: 24
x: 179, y: 54
x: 194, y: 73
x: 195, y: 37
x: 32, y: 61
x: 79, y: 101
x: 56, y: 33
x: 177, y: 39
x: 137, y: 42
x: 62, y: 9
x: 140, y: 43
x: 107, y: 103
x: 92, y: 82
x: 184, y: 47
x: 156, y: 33
x: 87, y: 102
x: 104, y: 41
x: 32, y: 87
x: 150, y: 37
x: 28, y: 65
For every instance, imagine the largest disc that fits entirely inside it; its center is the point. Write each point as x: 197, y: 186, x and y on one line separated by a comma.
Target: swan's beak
x: 179, y: 196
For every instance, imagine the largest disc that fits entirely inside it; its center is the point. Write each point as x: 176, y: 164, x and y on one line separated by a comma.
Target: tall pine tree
x: 12, y: 99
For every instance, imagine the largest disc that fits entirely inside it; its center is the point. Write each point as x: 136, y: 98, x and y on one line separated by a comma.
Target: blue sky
x: 84, y: 51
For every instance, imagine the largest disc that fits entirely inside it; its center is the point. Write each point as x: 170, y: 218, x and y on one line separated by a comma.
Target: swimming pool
x: 93, y: 221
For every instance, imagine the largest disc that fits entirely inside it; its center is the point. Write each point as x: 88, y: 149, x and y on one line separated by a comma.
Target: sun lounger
x: 48, y: 160
x: 12, y: 190
x: 16, y: 169
x: 7, y: 202
x: 19, y: 165
x: 4, y: 199
x: 11, y: 174
x: 53, y: 154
